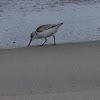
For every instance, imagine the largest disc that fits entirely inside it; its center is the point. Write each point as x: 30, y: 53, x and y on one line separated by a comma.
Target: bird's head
x: 31, y: 37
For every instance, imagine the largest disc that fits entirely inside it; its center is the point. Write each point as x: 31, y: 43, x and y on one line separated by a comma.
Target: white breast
x: 47, y: 33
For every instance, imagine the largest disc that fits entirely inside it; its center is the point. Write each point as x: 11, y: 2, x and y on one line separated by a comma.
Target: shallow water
x: 81, y: 23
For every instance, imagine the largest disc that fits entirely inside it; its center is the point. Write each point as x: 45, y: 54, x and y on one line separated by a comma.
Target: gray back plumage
x: 46, y: 27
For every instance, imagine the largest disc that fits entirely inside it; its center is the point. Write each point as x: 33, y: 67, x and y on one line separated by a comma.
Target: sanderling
x: 45, y: 31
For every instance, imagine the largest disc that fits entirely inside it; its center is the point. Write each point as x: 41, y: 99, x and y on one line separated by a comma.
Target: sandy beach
x: 69, y: 70
x: 65, y: 71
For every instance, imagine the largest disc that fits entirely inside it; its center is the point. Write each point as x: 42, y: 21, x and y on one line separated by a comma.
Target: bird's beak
x: 30, y: 42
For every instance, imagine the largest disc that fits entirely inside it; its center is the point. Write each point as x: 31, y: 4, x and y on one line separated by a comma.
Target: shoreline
x: 96, y: 42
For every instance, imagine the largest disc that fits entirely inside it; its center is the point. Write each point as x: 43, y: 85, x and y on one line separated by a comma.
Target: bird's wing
x: 45, y: 27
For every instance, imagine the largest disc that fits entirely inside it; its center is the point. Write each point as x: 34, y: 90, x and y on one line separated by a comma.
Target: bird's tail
x: 59, y: 24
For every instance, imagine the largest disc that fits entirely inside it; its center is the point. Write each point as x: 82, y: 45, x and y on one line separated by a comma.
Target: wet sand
x: 65, y: 71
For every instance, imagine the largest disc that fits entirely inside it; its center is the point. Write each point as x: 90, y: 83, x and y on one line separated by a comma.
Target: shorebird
x: 45, y: 31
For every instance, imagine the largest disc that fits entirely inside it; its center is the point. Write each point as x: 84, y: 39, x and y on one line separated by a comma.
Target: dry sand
x: 61, y: 72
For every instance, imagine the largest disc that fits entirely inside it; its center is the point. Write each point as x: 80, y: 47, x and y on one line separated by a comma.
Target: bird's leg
x: 54, y: 39
x: 44, y: 42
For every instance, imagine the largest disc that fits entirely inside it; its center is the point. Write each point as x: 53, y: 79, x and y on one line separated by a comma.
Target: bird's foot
x: 41, y: 45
